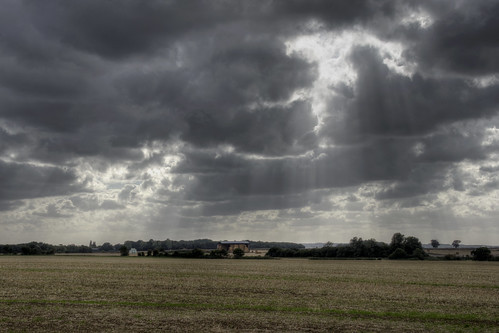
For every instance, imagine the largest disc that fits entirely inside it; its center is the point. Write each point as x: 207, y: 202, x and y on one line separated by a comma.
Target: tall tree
x: 435, y: 243
x: 456, y: 243
x: 397, y: 241
x: 411, y: 244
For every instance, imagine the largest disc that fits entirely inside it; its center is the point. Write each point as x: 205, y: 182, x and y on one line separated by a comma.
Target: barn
x: 231, y: 246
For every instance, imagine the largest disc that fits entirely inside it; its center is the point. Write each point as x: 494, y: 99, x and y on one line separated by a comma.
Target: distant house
x: 231, y: 246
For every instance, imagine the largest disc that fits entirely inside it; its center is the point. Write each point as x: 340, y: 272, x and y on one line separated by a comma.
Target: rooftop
x: 234, y: 242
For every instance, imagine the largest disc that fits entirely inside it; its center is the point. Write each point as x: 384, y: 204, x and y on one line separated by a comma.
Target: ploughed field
x: 95, y: 293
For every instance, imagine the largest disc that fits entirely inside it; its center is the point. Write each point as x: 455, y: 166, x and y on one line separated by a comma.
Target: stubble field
x: 75, y: 293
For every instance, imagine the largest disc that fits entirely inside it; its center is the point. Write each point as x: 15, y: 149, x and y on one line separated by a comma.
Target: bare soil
x: 144, y: 294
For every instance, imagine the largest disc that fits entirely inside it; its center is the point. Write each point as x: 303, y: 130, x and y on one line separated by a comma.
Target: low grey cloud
x: 88, y: 203
x: 489, y: 169
x: 7, y: 205
x: 127, y: 193
x: 53, y: 211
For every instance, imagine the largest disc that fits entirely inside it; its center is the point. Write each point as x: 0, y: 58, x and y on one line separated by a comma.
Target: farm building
x: 231, y: 246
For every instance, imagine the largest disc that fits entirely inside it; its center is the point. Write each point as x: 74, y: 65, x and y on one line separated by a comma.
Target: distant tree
x: 327, y: 251
x: 456, y: 243
x: 238, y: 253
x: 435, y: 243
x: 411, y: 244
x: 25, y: 250
x: 35, y: 248
x: 419, y: 253
x: 196, y: 253
x: 481, y: 254
x: 7, y: 249
x: 328, y: 244
x: 273, y: 252
x: 397, y: 241
x: 399, y: 253
x: 218, y: 253
x: 358, y: 246
x: 345, y: 251
x: 123, y: 250
x: 106, y: 247
x: 375, y: 249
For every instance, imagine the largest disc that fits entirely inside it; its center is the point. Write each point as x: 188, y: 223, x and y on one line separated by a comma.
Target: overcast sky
x: 275, y: 120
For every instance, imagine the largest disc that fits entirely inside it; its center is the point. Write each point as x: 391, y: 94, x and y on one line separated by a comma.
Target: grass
x: 157, y: 294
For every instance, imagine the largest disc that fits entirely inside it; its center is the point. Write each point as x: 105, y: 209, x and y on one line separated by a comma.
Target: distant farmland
x: 96, y: 293
x: 460, y: 252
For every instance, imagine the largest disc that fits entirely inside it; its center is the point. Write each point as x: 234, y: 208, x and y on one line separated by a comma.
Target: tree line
x: 38, y: 248
x: 194, y: 253
x: 207, y: 244
x: 400, y: 247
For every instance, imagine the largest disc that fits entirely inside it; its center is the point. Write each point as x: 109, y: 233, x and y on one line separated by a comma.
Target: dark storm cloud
x: 52, y: 84
x: 238, y: 205
x: 97, y: 81
x: 80, y: 105
x: 453, y: 146
x: 25, y: 181
x: 55, y: 116
x: 463, y: 38
x: 11, y: 141
x: 43, y: 82
x: 386, y: 103
x: 117, y: 29
x: 335, y: 14
x: 225, y: 99
x: 269, y: 131
x: 222, y: 176
x: 424, y: 178
x: 10, y: 205
x: 410, y: 167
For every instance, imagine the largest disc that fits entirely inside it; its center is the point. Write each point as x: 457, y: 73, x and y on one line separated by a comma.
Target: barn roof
x: 234, y: 242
